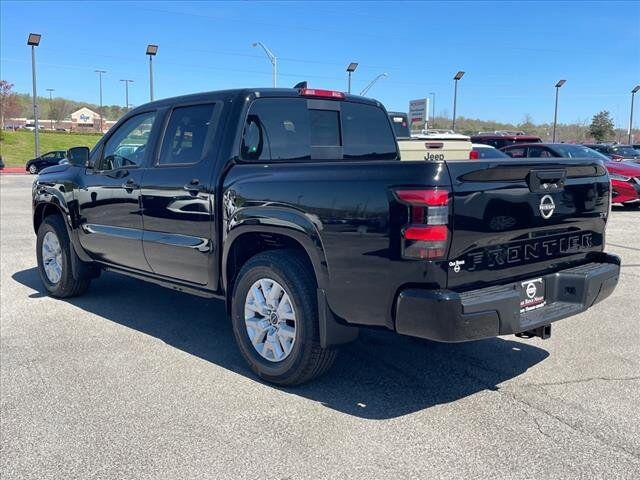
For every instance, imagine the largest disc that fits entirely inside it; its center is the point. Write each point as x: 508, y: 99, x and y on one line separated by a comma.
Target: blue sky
x: 513, y: 52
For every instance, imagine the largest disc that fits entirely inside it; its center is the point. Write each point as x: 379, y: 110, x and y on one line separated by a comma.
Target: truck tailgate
x: 514, y: 219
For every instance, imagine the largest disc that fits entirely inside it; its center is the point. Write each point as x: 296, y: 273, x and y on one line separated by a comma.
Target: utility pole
x: 33, y: 41
x: 50, y: 102
x: 555, y: 114
x: 152, y: 51
x: 100, y: 73
x: 457, y: 77
x: 126, y: 92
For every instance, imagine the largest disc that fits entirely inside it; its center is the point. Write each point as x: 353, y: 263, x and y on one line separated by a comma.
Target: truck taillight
x: 427, y: 234
x: 474, y: 155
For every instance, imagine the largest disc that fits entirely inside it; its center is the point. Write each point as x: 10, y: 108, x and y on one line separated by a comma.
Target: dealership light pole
x: 433, y: 109
x: 33, y: 41
x: 272, y: 58
x: 152, y: 50
x: 633, y: 92
x: 372, y: 82
x: 350, y: 69
x: 100, y: 73
x: 555, y: 114
x: 457, y: 77
x: 50, y: 102
x: 126, y: 92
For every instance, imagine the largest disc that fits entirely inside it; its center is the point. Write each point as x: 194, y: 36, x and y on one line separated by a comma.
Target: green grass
x: 18, y: 147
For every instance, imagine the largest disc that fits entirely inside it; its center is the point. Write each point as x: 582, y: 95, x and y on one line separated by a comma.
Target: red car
x: 625, y: 176
x: 502, y: 138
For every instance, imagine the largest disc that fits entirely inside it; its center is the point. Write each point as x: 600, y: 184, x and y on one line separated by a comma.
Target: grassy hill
x: 18, y: 147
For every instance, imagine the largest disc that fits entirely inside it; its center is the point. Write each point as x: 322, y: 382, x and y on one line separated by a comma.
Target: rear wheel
x: 54, y: 251
x: 275, y: 319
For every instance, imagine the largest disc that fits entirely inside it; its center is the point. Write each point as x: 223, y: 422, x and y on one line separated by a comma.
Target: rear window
x: 288, y: 129
x: 367, y: 133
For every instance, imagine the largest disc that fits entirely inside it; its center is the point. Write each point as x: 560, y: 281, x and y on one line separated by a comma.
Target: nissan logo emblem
x: 547, y: 206
x: 531, y: 290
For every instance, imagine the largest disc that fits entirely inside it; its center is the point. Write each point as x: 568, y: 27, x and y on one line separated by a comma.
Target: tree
x: 58, y: 109
x: 601, y: 126
x: 9, y: 105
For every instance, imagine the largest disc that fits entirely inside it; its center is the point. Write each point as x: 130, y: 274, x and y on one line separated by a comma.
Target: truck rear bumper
x: 448, y: 316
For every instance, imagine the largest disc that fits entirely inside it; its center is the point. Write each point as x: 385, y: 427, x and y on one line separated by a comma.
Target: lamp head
x: 34, y: 39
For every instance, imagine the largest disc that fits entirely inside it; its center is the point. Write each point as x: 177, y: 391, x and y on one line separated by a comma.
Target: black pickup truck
x: 293, y: 206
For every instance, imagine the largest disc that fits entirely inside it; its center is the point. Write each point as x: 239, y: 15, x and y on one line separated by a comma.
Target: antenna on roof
x: 301, y: 85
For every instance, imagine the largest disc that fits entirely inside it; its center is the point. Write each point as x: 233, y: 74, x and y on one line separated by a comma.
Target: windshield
x: 625, y: 151
x: 579, y: 151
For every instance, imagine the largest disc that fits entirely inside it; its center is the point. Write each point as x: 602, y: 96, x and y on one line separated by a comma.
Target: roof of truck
x: 258, y: 92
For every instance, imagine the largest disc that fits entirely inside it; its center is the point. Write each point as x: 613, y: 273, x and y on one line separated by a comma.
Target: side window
x: 189, y: 135
x: 128, y: 144
x: 539, y: 152
x: 277, y: 129
x: 518, y: 152
x: 367, y: 133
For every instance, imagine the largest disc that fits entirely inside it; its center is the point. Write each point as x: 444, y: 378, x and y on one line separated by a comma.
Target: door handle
x: 193, y: 187
x: 130, y: 185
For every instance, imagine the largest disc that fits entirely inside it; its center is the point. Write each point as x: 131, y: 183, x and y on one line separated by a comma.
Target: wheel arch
x: 245, y: 241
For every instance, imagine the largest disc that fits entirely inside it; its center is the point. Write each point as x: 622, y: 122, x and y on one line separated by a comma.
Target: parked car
x: 482, y: 152
x: 45, y: 160
x: 615, y: 152
x: 435, y: 145
x: 625, y: 176
x: 292, y: 205
x: 400, y: 123
x: 502, y: 138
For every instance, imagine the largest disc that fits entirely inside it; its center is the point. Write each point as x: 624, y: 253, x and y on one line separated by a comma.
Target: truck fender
x: 280, y: 221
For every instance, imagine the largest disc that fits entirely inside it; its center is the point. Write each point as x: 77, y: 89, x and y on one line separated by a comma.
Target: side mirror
x: 78, y: 156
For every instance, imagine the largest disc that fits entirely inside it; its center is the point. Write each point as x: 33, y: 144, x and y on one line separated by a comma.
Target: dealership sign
x: 418, y: 113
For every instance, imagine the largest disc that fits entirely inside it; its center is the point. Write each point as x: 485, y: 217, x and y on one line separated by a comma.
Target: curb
x: 13, y: 170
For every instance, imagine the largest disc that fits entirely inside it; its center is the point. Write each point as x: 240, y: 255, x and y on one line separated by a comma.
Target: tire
x: 306, y: 359
x: 64, y: 284
x: 33, y: 169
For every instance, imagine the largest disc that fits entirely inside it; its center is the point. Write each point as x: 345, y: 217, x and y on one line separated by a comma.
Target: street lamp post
x: 50, y: 102
x: 152, y: 51
x: 33, y: 41
x: 555, y: 113
x: 633, y: 92
x: 126, y: 92
x: 457, y: 77
x: 372, y: 82
x: 433, y: 109
x: 272, y: 58
x: 350, y: 69
x: 100, y: 73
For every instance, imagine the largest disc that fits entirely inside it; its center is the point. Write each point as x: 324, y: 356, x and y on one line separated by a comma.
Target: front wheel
x: 54, y: 250
x: 275, y: 319
x: 33, y: 169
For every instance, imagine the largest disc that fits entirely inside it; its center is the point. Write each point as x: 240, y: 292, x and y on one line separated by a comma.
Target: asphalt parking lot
x: 136, y: 381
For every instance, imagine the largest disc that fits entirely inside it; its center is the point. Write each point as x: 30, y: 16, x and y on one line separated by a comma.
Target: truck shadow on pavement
x: 382, y: 375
